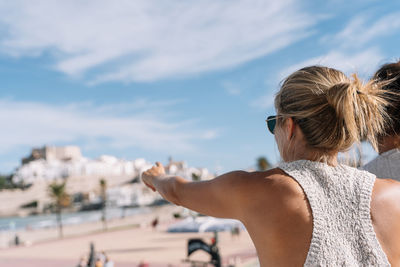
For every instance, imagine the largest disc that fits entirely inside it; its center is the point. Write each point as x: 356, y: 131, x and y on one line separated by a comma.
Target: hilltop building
x: 63, y: 153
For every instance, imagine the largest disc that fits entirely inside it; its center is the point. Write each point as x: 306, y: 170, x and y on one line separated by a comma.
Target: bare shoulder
x: 385, y: 215
x: 385, y: 208
x: 270, y: 192
x: 280, y: 183
x: 275, y: 180
x: 271, y: 189
x: 385, y: 201
x: 386, y: 190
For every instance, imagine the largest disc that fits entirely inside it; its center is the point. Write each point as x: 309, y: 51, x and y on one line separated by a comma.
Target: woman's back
x: 280, y: 219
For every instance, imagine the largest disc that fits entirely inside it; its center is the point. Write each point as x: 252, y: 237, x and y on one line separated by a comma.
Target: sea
x: 50, y: 220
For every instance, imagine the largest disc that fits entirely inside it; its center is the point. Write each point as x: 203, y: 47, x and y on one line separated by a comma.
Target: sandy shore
x: 127, y: 242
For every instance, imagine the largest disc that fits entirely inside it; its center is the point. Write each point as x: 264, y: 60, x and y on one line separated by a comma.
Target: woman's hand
x: 156, y: 172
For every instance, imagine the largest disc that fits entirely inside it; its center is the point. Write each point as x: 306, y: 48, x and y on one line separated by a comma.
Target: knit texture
x: 386, y: 165
x: 340, y: 199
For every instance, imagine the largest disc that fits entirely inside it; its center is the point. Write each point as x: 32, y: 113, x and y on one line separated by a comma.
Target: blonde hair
x: 332, y: 110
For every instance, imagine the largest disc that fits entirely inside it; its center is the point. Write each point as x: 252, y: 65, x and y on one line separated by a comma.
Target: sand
x: 127, y: 242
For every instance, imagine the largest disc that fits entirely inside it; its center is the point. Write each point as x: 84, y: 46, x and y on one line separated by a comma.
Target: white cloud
x: 34, y: 124
x: 145, y: 40
x: 264, y: 102
x: 363, y: 62
x: 232, y: 88
x: 351, y: 50
x: 363, y: 29
x: 211, y: 134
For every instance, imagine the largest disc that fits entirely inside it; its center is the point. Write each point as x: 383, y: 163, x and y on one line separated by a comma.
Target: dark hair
x: 389, y: 76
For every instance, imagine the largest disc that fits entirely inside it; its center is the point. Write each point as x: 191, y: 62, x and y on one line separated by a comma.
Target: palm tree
x: 103, y: 194
x: 196, y: 177
x: 61, y: 199
x: 263, y: 164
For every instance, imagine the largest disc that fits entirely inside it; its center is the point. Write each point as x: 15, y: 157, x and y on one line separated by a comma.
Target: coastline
x: 127, y: 242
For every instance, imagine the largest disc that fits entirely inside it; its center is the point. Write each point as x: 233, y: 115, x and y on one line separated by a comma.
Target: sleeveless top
x: 386, y: 165
x: 340, y: 198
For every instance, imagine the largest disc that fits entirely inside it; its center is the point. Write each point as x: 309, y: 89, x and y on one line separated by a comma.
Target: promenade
x: 127, y: 243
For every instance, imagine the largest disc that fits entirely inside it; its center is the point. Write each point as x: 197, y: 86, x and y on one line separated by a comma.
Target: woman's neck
x: 314, y: 155
x: 299, y: 149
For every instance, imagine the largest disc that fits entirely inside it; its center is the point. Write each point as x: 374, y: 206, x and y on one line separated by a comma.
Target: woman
x: 311, y: 210
x: 387, y: 164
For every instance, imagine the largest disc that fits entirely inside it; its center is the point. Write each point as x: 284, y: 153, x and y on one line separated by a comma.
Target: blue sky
x: 189, y: 79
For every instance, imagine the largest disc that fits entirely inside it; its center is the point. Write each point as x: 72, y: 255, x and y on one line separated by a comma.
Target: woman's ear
x: 290, y: 128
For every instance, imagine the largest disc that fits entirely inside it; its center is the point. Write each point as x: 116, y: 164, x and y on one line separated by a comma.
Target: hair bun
x: 341, y: 110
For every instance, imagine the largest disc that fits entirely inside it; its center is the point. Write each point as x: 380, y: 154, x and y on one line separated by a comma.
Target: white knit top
x: 386, y: 165
x: 340, y: 198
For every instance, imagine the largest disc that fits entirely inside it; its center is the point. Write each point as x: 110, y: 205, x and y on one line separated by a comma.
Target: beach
x: 127, y: 242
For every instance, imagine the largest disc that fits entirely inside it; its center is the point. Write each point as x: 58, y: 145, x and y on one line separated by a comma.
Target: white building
x: 83, y: 175
x: 50, y: 163
x: 131, y: 195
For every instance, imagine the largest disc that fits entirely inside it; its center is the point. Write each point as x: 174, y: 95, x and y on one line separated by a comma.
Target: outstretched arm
x: 220, y: 197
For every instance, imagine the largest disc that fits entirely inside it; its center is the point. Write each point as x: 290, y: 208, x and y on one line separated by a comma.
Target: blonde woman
x: 310, y: 210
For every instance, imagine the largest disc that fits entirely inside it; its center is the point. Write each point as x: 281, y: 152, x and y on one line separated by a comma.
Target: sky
x: 151, y: 79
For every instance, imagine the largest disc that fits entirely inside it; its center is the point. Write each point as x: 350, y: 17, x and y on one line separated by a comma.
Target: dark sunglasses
x: 271, y: 123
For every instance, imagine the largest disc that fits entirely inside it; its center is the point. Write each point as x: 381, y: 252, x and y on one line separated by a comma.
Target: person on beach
x: 108, y: 262
x: 154, y: 223
x: 98, y: 263
x: 310, y: 210
x: 387, y: 163
x: 83, y: 262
